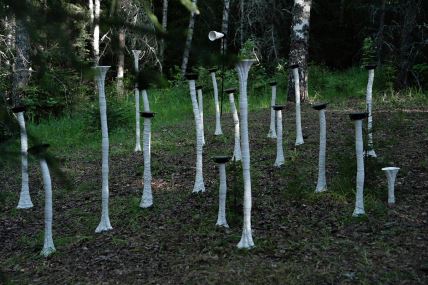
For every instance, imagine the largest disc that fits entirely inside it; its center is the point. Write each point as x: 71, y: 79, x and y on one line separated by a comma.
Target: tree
x: 189, y: 38
x: 164, y: 27
x: 225, y: 23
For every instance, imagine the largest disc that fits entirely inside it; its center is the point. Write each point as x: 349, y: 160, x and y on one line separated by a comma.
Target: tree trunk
x: 379, y: 42
x: 48, y: 245
x: 164, y: 27
x: 299, y: 47
x: 21, y: 76
x: 189, y: 38
x: 121, y: 63
x: 95, y: 18
x: 9, y: 30
x: 241, y: 22
x: 225, y: 24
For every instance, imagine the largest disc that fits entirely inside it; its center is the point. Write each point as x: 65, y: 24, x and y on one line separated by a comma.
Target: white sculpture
x: 237, y: 148
x: 136, y: 54
x: 299, y: 135
x: 322, y: 183
x: 221, y: 218
x: 272, y: 128
x: 147, y: 198
x: 279, y: 145
x: 391, y: 174
x: 369, y: 95
x: 218, y: 130
x: 201, y: 111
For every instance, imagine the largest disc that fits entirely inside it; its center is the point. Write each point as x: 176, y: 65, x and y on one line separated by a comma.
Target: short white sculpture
x: 100, y: 76
x: 237, y: 148
x: 359, y: 149
x: 243, y: 67
x: 299, y: 135
x: 369, y: 95
x: 199, y: 185
x: 147, y: 198
x: 201, y: 110
x: 272, y: 128
x: 218, y: 130
x: 322, y: 182
x: 39, y: 151
x: 279, y: 161
x: 136, y: 54
x: 391, y: 174
x: 24, y: 196
x: 221, y: 218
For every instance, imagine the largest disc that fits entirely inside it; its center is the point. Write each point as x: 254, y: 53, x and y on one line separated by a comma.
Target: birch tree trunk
x: 299, y: 47
x: 241, y: 22
x: 121, y: 63
x: 379, y: 42
x: 164, y: 27
x: 225, y: 24
x: 189, y: 38
x: 95, y: 9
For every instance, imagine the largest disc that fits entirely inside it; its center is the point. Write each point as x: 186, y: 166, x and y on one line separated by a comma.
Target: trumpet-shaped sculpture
x: 147, y: 199
x: 391, y: 174
x: 243, y: 67
x: 201, y: 110
x: 40, y: 152
x: 369, y: 95
x: 237, y: 148
x: 221, y: 218
x: 101, y: 72
x: 136, y: 54
x: 218, y: 130
x: 272, y: 129
x: 199, y: 178
x: 299, y: 135
x: 279, y: 145
x: 359, y: 200
x: 322, y: 183
x: 24, y: 197
x: 146, y: 104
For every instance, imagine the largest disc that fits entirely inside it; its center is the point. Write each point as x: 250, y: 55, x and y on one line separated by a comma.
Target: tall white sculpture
x: 299, y: 136
x: 100, y: 77
x: 237, y: 148
x: 39, y: 151
x: 391, y: 174
x: 322, y: 183
x: 243, y: 67
x: 201, y: 110
x: 218, y: 130
x: 279, y: 145
x: 359, y: 149
x: 147, y: 198
x: 24, y: 196
x: 272, y: 128
x: 221, y: 218
x: 136, y: 54
x: 369, y: 95
x: 199, y: 178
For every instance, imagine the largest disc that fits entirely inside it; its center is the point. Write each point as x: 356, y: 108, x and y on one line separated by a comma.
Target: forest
x: 213, y: 141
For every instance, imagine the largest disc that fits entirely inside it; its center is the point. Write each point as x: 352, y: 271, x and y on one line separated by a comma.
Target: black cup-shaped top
x: 272, y: 83
x: 292, y: 66
x: 370, y: 66
x: 199, y: 87
x: 221, y: 158
x: 320, y: 106
x: 191, y: 76
x: 213, y: 69
x: 147, y: 114
x: 38, y: 150
x: 358, y: 116
x: 19, y: 109
x: 278, y: 107
x: 230, y: 90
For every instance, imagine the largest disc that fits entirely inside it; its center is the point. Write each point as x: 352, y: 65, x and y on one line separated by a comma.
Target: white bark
x: 299, y: 136
x: 136, y: 54
x: 218, y: 130
x: 189, y: 38
x: 369, y: 95
x: 322, y: 184
x: 48, y: 245
x: 221, y: 219
x: 104, y: 225
x: 391, y: 174
x: 164, y: 27
x: 201, y: 113
x: 147, y: 199
x: 199, y: 178
x: 279, y: 146
x: 225, y: 23
x: 96, y: 35
x: 237, y: 148
x: 359, y: 201
x: 24, y: 198
x: 243, y: 68
x: 272, y: 131
x: 146, y: 105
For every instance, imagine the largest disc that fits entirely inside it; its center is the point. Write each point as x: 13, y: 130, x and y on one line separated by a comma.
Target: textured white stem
x: 147, y: 199
x: 24, y: 197
x: 221, y: 219
x: 237, y: 149
x: 96, y: 35
x: 279, y: 147
x: 201, y: 113
x: 322, y: 183
x: 105, y: 220
x: 218, y: 130
x: 199, y: 178
x: 243, y: 68
x: 48, y: 245
x: 369, y: 95
x: 146, y: 104
x: 359, y: 201
x: 299, y: 136
x: 136, y: 54
x: 272, y: 131
x: 391, y: 174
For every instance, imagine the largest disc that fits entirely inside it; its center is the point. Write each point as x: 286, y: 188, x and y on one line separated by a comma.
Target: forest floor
x: 301, y: 237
